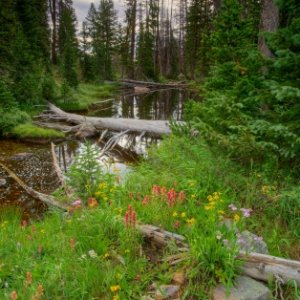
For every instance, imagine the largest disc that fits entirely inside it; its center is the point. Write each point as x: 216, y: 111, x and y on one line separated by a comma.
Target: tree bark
x: 269, y: 22
x: 93, y: 125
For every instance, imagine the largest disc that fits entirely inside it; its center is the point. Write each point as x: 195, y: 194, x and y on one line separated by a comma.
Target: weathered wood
x: 151, y: 84
x: 153, y: 127
x: 60, y: 175
x: 265, y: 267
x: 258, y: 266
x: 48, y: 199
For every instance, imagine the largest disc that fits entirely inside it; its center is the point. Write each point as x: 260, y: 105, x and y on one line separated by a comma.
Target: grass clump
x: 85, y: 95
x: 29, y: 130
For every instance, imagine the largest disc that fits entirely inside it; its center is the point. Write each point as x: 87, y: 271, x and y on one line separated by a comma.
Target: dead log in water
x: 151, y: 84
x: 95, y: 124
x: 47, y: 199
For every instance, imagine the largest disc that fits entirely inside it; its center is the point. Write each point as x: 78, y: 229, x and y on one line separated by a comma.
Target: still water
x: 33, y: 163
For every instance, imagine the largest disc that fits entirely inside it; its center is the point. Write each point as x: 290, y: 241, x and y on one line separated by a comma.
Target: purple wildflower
x: 246, y: 212
x: 233, y: 207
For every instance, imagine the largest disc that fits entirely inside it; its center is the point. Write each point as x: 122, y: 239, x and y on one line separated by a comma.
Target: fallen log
x: 95, y: 124
x: 152, y: 84
x: 258, y: 266
x: 48, y: 199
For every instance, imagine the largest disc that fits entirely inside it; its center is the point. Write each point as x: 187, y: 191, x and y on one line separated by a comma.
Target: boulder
x: 250, y: 242
x: 3, y: 182
x: 245, y: 288
x: 167, y: 292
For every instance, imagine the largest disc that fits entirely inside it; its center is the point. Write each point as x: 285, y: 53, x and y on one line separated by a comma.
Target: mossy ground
x: 29, y: 130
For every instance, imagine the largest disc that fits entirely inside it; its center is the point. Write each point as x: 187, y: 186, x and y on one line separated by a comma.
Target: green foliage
x: 32, y: 131
x: 86, y: 172
x: 6, y: 97
x: 67, y: 43
x: 251, y: 104
x: 100, y: 34
x: 11, y: 118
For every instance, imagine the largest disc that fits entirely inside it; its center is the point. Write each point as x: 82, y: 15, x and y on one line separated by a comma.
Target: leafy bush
x: 32, y: 131
x: 11, y: 118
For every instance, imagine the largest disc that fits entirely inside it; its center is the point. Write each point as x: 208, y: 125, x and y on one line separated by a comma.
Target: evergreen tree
x: 67, y: 42
x: 8, y: 26
x: 86, y: 59
x: 101, y: 25
x: 199, y: 19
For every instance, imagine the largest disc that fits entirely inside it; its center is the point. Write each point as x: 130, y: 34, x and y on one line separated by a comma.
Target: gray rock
x: 166, y: 291
x: 246, y: 288
x: 3, y: 182
x: 250, y: 242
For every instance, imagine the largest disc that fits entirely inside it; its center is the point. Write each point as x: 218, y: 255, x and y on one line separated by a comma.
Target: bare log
x: 265, y: 267
x: 153, y: 127
x: 60, y: 175
x: 151, y: 84
x: 161, y: 237
x: 48, y: 199
x: 258, y: 266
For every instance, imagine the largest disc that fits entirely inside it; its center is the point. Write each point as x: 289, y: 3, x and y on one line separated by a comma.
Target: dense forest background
x: 247, y: 51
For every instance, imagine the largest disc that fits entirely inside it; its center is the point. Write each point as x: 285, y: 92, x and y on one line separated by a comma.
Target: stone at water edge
x: 245, y: 288
x: 3, y: 182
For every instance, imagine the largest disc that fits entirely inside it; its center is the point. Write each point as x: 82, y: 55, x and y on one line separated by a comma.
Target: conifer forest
x: 149, y: 149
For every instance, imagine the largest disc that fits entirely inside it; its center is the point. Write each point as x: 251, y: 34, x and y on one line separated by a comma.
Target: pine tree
x: 101, y: 25
x: 86, y: 58
x: 67, y: 42
x: 8, y: 27
x: 199, y: 21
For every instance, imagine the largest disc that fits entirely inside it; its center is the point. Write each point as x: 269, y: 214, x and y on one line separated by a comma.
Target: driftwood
x: 151, y: 84
x: 258, y: 266
x: 60, y: 175
x: 48, y: 199
x: 95, y: 124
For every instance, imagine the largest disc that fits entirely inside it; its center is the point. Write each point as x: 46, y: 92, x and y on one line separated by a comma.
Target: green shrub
x: 32, y: 131
x: 12, y: 118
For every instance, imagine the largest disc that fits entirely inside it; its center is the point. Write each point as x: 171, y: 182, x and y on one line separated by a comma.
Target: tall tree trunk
x: 53, y: 14
x: 217, y: 4
x: 269, y: 22
x: 132, y: 49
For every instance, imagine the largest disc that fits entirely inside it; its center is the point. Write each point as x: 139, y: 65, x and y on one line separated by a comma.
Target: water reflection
x: 162, y: 105
x: 35, y: 166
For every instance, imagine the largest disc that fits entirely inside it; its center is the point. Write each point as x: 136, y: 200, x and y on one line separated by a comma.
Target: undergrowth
x: 94, y: 252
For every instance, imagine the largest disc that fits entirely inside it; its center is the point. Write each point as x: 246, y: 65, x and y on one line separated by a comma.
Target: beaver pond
x: 32, y: 162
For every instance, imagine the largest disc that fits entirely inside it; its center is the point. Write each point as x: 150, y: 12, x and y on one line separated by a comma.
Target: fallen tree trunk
x: 258, y: 266
x: 151, y: 84
x: 48, y: 199
x: 95, y: 124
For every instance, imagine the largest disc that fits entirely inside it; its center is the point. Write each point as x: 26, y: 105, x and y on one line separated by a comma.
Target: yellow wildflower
x: 106, y: 255
x: 115, y: 288
x: 183, y: 215
x: 221, y: 212
x: 191, y: 221
x: 175, y: 214
x: 236, y: 217
x: 193, y: 196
